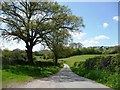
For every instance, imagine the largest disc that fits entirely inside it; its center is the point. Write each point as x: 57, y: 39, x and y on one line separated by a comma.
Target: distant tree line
x: 18, y: 56
x: 68, y: 51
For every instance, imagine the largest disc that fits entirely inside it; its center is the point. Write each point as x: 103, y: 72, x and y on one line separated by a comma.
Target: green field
x: 79, y: 58
x: 71, y: 60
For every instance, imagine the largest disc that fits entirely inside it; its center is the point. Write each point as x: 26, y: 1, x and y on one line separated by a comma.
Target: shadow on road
x: 65, y: 75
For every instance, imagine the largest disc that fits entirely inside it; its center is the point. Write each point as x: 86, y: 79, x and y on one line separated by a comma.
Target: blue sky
x: 101, y: 25
x: 101, y: 22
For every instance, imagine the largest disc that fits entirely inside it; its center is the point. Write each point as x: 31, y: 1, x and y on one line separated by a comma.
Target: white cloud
x: 116, y: 18
x: 105, y: 25
x: 95, y: 41
x: 90, y: 42
x: 101, y: 37
x: 77, y: 35
x: 14, y: 45
x: 116, y: 44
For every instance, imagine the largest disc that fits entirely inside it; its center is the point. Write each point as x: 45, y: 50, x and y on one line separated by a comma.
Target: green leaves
x: 107, y: 74
x: 39, y: 22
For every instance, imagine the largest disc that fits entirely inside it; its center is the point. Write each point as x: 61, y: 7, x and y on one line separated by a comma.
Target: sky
x: 101, y: 21
x: 101, y: 25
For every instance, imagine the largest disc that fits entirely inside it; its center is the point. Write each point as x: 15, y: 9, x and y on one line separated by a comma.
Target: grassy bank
x: 24, y: 73
x: 108, y: 77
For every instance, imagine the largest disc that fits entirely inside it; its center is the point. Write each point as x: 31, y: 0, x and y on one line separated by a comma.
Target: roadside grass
x: 108, y: 78
x: 10, y: 78
x: 23, y: 73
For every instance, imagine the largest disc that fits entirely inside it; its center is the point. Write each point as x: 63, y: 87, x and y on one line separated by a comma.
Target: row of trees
x: 68, y: 51
x: 18, y: 56
x: 47, y: 23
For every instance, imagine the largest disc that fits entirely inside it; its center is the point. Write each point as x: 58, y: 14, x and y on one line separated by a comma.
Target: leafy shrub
x: 48, y: 55
x: 107, y: 63
x: 108, y: 78
x: 14, y: 57
x: 103, y: 69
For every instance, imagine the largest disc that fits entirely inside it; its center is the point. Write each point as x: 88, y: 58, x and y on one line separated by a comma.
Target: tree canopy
x: 38, y: 22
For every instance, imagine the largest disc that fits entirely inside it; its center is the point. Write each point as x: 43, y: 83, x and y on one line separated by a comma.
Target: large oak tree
x: 26, y: 21
x: 36, y: 22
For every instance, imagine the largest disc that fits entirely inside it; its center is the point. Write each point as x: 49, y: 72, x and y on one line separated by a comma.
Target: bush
x: 48, y: 55
x: 107, y: 63
x: 103, y: 69
x: 14, y: 57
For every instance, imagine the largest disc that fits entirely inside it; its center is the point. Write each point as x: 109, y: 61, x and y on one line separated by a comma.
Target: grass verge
x: 107, y: 78
x: 24, y: 73
x: 103, y: 70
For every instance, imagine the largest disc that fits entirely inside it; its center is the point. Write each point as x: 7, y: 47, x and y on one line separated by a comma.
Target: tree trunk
x: 29, y: 54
x: 55, y: 59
